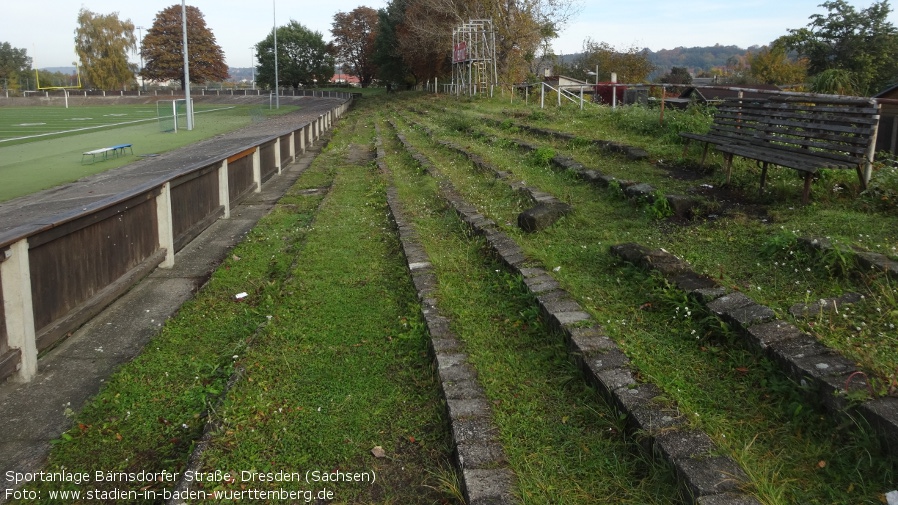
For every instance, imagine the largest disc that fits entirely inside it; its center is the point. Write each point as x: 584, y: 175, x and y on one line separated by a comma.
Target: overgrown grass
x: 564, y: 445
x: 794, y: 452
x: 341, y: 366
x: 334, y: 361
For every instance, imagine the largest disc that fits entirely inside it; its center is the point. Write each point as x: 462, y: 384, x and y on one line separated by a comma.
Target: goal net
x: 172, y: 114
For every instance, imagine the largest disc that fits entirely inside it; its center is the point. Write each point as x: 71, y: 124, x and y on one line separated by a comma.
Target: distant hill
x: 693, y: 58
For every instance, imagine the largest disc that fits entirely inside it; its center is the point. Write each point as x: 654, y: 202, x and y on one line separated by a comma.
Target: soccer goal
x: 172, y: 114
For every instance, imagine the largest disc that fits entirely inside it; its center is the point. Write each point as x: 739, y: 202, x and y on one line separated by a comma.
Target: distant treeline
x: 695, y: 59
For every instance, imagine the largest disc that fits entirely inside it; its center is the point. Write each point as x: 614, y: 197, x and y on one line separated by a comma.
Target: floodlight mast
x: 186, y: 69
x: 274, y: 30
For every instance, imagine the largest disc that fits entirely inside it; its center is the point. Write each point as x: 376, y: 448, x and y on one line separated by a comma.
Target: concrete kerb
x: 479, y: 457
x: 701, y: 471
x: 827, y: 375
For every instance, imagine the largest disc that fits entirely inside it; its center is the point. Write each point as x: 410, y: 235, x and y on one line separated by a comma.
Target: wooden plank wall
x: 70, y: 263
x: 195, y: 204
x: 285, y: 150
x: 240, y: 177
x: 269, y: 168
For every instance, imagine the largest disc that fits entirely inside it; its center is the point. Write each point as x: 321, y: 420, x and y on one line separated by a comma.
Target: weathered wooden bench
x: 734, y: 122
x: 807, y: 134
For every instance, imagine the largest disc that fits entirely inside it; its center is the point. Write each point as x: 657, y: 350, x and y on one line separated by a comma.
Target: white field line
x: 104, y: 126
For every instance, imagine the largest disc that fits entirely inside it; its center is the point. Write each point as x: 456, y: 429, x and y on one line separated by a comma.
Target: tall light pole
x: 252, y: 65
x: 274, y: 29
x: 186, y: 69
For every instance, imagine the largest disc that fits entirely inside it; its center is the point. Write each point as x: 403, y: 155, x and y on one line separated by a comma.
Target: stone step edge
x: 705, y: 476
x: 479, y: 458
x: 799, y: 355
x: 547, y: 209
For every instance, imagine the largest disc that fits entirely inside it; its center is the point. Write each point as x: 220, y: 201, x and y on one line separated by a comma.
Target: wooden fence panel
x: 71, y: 263
x: 240, y: 175
x: 195, y: 204
x: 269, y: 167
x: 286, y: 159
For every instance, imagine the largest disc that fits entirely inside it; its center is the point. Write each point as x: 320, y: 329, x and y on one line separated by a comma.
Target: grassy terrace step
x: 562, y: 442
x: 792, y: 452
x: 704, y: 475
x: 345, y: 333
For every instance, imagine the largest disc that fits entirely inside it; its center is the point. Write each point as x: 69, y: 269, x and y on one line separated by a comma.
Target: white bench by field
x: 105, y: 152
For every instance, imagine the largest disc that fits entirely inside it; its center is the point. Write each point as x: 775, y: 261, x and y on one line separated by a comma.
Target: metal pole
x: 143, y: 81
x: 252, y: 61
x: 186, y: 69
x: 277, y: 98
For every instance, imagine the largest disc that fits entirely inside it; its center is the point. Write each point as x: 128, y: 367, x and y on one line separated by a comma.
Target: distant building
x: 345, y: 79
x: 887, y: 132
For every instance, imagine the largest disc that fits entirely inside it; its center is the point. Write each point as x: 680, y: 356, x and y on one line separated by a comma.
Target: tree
x: 102, y: 43
x: 771, y: 65
x: 425, y: 32
x: 303, y: 58
x: 354, y: 36
x: 163, y: 49
x: 390, y: 66
x: 631, y: 65
x: 13, y: 63
x: 861, y: 42
x: 677, y: 75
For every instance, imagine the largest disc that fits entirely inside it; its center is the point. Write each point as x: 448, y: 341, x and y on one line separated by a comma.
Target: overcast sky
x: 46, y: 28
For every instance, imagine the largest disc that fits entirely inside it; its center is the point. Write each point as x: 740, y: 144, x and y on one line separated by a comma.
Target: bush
x: 882, y: 190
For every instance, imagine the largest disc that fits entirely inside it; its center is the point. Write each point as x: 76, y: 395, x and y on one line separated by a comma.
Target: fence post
x: 165, y: 224
x: 293, y: 147
x: 18, y: 308
x: 224, y: 189
x: 302, y: 139
x: 542, y: 96
x: 277, y: 154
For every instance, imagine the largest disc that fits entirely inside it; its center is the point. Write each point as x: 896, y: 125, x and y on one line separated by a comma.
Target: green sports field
x: 41, y: 146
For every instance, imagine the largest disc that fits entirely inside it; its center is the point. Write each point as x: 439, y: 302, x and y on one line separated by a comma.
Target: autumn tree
x: 772, y: 65
x: 424, y: 34
x: 303, y: 58
x: 861, y: 42
x: 102, y: 43
x: 631, y: 65
x: 14, y: 62
x: 163, y: 49
x: 354, y: 35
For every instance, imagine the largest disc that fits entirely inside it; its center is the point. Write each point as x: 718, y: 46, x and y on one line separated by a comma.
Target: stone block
x: 750, y: 315
x: 630, y: 252
x: 485, y: 455
x: 665, y: 262
x: 823, y: 306
x: 437, y: 326
x: 473, y: 430
x: 690, y: 281
x: 684, y: 207
x: 445, y: 345
x: 589, y: 341
x: 641, y: 191
x: 614, y: 378
x: 708, y: 295
x: 489, y: 486
x: 882, y: 414
x: 543, y: 215
x: 761, y: 336
x: 565, y: 319
x: 728, y: 303
x: 786, y: 352
x: 463, y: 408
x: 685, y: 443
x: 461, y: 389
x: 457, y: 372
x: 709, y: 476
x: 559, y: 305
